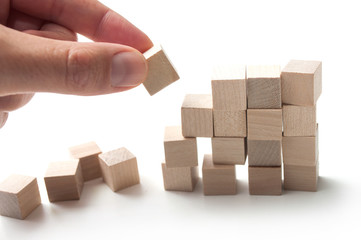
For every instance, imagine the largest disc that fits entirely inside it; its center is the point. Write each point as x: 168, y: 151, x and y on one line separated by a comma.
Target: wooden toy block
x: 218, y: 179
x: 264, y: 153
x: 19, y: 196
x: 230, y: 123
x: 301, y: 82
x: 264, y: 86
x: 161, y: 72
x: 64, y: 180
x: 264, y: 124
x: 87, y: 154
x: 229, y: 150
x: 180, y: 178
x: 299, y: 120
x: 229, y: 87
x: 119, y: 168
x: 265, y: 180
x: 179, y: 151
x: 301, y: 178
x: 197, y: 116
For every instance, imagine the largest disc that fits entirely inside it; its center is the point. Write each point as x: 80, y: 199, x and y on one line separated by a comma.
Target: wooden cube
x: 119, y: 168
x: 87, y: 154
x: 300, y: 177
x: 230, y: 123
x: 218, y: 179
x: 301, y: 82
x: 264, y: 124
x: 180, y: 178
x: 179, y: 151
x: 264, y: 86
x: 265, y: 180
x: 19, y: 196
x: 229, y: 87
x: 299, y: 120
x: 64, y: 180
x: 197, y: 116
x: 264, y: 153
x: 229, y: 150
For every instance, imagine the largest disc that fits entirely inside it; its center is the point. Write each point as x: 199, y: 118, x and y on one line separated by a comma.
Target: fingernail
x: 129, y: 69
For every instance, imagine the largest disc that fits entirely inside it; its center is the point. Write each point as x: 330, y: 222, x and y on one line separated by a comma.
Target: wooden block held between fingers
x: 264, y: 124
x: 180, y: 178
x: 264, y: 152
x: 265, y: 180
x: 301, y: 178
x: 229, y: 150
x: 230, y: 123
x: 299, y: 120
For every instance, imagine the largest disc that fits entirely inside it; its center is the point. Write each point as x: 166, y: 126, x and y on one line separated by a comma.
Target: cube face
x: 264, y: 153
x: 299, y: 120
x: 230, y: 123
x: 229, y: 150
x: 300, y: 151
x: 265, y: 180
x: 264, y: 124
x: 180, y: 178
x: 301, y: 178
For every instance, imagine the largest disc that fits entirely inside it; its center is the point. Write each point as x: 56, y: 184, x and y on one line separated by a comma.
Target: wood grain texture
x: 301, y: 178
x: 264, y: 124
x: 299, y: 120
x: 264, y: 87
x: 119, y: 168
x: 265, y: 180
x: 264, y: 153
x: 230, y: 123
x: 301, y: 82
x: 161, y: 72
x: 180, y: 178
x: 19, y: 196
x: 229, y: 150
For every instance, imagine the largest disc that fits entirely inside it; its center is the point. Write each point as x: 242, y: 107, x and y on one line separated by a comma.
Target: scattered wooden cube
x: 264, y: 124
x: 229, y: 150
x: 264, y: 86
x: 64, y: 180
x: 119, y: 168
x: 300, y: 177
x: 265, y: 180
x: 180, y: 178
x: 299, y: 120
x: 230, y: 123
x: 19, y: 196
x: 218, y: 179
x: 301, y: 82
x: 197, y: 116
x: 264, y: 153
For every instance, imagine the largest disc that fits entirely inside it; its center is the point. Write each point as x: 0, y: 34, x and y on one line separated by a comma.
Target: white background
x: 197, y: 34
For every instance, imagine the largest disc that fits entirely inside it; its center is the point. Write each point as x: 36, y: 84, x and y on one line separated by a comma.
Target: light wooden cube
x: 119, y: 168
x: 180, y: 178
x: 64, y: 180
x: 179, y: 151
x: 87, y: 154
x: 230, y: 123
x: 299, y: 120
x: 264, y: 86
x: 197, y: 116
x: 264, y: 124
x: 265, y: 180
x: 161, y: 72
x: 229, y: 87
x: 229, y: 150
x: 19, y: 196
x: 218, y: 179
x: 264, y: 152
x: 301, y: 178
x: 301, y: 82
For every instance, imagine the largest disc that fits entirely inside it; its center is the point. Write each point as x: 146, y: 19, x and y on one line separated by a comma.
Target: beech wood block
x: 229, y: 150
x: 230, y: 123
x: 299, y: 120
x: 161, y: 72
x: 87, y: 154
x: 301, y: 82
x: 64, y: 180
x: 265, y: 180
x: 264, y: 86
x: 301, y: 178
x: 119, y: 168
x: 197, y: 116
x: 218, y: 179
x: 264, y: 124
x: 264, y: 152
x: 180, y: 178
x: 229, y: 87
x: 19, y: 196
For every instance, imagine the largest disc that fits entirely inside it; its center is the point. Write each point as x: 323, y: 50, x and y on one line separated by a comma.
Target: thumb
x: 35, y: 64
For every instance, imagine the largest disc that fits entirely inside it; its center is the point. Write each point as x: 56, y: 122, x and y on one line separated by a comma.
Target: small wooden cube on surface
x: 264, y: 86
x: 161, y: 72
x: 64, y: 180
x: 301, y: 178
x: 264, y: 124
x: 180, y: 178
x: 229, y: 87
x: 264, y: 152
x: 230, y: 123
x: 265, y: 180
x: 19, y: 196
x: 218, y: 179
x: 299, y: 120
x: 179, y: 151
x: 119, y: 168
x: 229, y: 150
x: 197, y: 116
x: 301, y: 82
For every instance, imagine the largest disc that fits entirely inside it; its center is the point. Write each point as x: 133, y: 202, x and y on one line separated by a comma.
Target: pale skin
x: 39, y: 51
